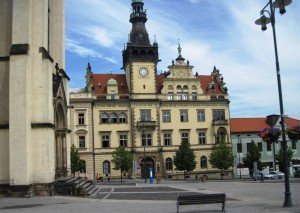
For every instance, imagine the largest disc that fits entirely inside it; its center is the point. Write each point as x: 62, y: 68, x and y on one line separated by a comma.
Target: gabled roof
x: 244, y: 125
x: 103, y: 79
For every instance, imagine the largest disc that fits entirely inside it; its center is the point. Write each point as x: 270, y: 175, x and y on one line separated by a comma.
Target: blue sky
x: 212, y: 32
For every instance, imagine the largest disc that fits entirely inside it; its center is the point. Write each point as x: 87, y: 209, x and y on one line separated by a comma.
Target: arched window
x: 113, y: 118
x: 194, y: 92
x: 169, y: 164
x: 122, y: 117
x: 179, y: 92
x: 185, y: 92
x: 106, y: 167
x: 203, y: 162
x: 104, y: 118
x: 221, y: 135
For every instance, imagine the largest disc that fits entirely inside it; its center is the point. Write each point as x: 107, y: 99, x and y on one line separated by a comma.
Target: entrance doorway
x: 146, y: 164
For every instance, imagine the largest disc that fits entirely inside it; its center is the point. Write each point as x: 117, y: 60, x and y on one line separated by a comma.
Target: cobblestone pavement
x: 243, y: 196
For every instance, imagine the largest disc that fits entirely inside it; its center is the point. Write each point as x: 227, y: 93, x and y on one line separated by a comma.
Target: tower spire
x: 138, y: 18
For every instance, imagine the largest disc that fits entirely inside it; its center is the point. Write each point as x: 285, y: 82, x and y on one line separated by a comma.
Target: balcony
x: 146, y: 125
x: 220, y: 122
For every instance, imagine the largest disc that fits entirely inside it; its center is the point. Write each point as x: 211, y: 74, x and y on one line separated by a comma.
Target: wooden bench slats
x: 201, y: 199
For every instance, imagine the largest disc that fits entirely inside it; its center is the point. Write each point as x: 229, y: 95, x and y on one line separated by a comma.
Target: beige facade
x: 150, y: 114
x: 34, y: 94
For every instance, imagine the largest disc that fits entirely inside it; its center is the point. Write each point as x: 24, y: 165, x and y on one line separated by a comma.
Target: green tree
x: 122, y: 160
x: 76, y: 163
x: 280, y: 157
x: 184, y: 159
x: 252, y: 156
x: 221, y: 157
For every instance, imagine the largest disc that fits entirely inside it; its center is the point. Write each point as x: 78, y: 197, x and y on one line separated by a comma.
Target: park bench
x: 201, y: 199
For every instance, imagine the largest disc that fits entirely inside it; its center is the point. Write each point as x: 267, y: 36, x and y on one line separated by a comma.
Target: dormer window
x: 212, y: 86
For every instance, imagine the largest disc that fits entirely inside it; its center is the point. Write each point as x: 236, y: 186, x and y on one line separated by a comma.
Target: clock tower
x: 140, y: 57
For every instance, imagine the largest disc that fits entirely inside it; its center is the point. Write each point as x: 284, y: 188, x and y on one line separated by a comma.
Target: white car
x: 278, y: 175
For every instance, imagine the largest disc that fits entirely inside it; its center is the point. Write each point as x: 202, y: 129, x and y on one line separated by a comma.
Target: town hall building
x: 147, y: 112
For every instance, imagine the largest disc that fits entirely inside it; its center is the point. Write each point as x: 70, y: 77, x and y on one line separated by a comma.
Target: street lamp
x: 263, y: 21
x: 144, y: 163
x: 240, y: 142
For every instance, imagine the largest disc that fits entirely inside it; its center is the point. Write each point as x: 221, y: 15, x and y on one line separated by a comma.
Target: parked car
x: 278, y: 175
x: 258, y: 175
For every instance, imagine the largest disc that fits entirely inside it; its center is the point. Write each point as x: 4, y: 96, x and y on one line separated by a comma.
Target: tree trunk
x: 121, y: 176
x: 222, y: 174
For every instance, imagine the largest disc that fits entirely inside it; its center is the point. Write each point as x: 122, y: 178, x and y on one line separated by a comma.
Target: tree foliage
x: 184, y: 158
x: 252, y: 156
x: 76, y: 163
x: 280, y: 158
x: 221, y: 157
x: 122, y: 160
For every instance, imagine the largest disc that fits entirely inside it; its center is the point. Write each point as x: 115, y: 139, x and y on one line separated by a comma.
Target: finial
x: 188, y: 62
x: 128, y: 38
x: 154, y: 38
x: 111, y: 72
x: 124, y: 46
x: 173, y: 62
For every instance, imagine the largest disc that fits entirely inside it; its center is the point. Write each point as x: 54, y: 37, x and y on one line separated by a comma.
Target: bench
x: 201, y: 199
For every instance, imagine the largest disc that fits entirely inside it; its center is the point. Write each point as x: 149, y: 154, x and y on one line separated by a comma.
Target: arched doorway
x: 60, y: 138
x: 221, y: 135
x: 146, y: 164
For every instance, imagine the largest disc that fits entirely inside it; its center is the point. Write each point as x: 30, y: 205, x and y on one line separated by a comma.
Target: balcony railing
x: 146, y: 124
x: 220, y: 122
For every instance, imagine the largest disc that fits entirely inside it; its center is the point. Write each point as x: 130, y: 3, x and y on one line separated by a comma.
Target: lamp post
x: 263, y: 21
x: 240, y: 142
x: 144, y: 163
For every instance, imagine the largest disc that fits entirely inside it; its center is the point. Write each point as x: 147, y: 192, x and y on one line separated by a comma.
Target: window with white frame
x: 194, y: 95
x: 201, y: 115
x: 170, y: 96
x: 122, y: 117
x: 203, y: 162
x: 166, y: 116
x: 184, y: 116
x: 146, y: 139
x: 167, y: 139
x: 104, y: 118
x: 81, y: 140
x: 113, y: 118
x: 184, y: 136
x: 123, y: 140
x: 202, y: 137
x: 105, y: 140
x: 81, y: 119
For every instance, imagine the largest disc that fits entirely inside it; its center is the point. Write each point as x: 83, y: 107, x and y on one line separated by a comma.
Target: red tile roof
x: 239, y: 125
x: 121, y: 79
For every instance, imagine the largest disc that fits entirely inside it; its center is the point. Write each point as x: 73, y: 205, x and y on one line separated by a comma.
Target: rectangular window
x: 269, y: 147
x: 170, y: 96
x: 294, y: 145
x: 202, y: 137
x: 145, y: 115
x: 185, y: 96
x: 167, y: 139
x: 81, y: 119
x: 166, y: 116
x: 201, y: 116
x: 194, y: 96
x: 248, y: 147
x: 81, y: 141
x: 146, y: 139
x: 105, y: 141
x: 259, y: 144
x: 184, y: 136
x: 123, y: 140
x: 239, y: 147
x: 218, y: 115
x: 184, y: 116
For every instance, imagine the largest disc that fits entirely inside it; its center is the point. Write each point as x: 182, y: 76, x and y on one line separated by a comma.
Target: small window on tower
x: 144, y: 86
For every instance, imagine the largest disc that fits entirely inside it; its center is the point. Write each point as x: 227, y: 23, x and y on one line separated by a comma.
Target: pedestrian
x: 97, y: 177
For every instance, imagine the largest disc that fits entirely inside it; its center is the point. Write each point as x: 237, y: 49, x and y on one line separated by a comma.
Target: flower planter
x: 294, y: 133
x: 270, y: 134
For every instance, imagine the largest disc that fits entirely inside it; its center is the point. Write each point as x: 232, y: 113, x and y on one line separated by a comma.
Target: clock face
x: 143, y: 72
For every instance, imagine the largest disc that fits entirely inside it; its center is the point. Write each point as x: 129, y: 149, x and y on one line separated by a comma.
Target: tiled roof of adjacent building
x: 239, y: 125
x: 100, y: 82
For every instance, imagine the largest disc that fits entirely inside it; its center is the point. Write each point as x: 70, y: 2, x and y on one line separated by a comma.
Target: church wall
x: 42, y: 152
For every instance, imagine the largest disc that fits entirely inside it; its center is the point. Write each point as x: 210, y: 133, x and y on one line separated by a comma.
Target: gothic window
x: 113, y: 118
x: 221, y: 135
x: 169, y: 164
x: 104, y: 118
x: 203, y: 162
x: 122, y: 117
